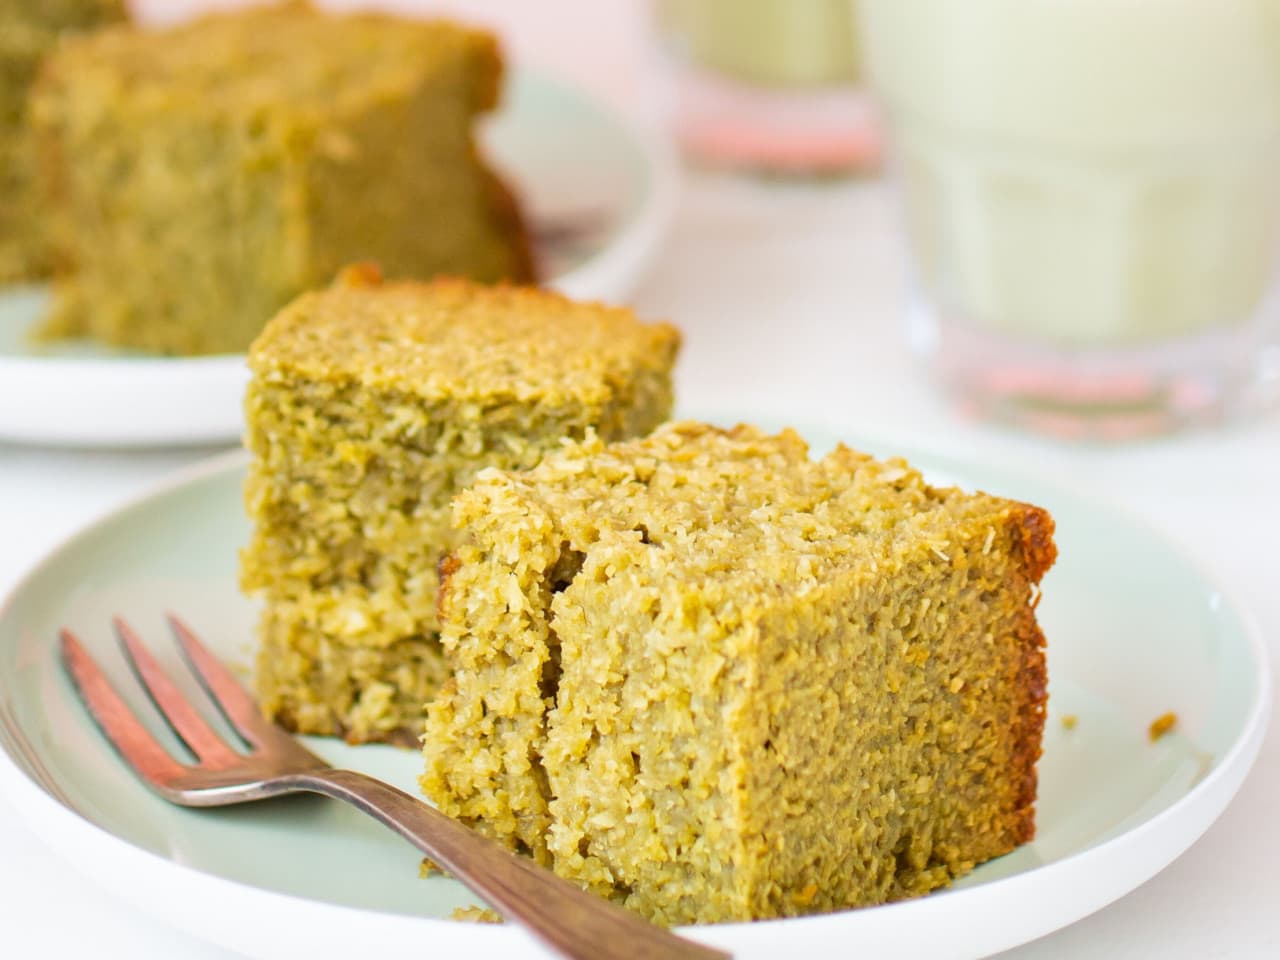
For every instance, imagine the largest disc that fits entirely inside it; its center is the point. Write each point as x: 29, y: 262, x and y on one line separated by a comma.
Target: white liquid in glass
x: 1086, y: 173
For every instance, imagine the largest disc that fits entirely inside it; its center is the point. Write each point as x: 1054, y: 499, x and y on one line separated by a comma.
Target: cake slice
x: 202, y: 176
x: 713, y: 679
x: 29, y: 30
x: 370, y: 406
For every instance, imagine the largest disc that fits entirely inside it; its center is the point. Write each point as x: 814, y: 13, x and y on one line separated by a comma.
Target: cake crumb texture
x: 370, y: 405
x: 714, y: 679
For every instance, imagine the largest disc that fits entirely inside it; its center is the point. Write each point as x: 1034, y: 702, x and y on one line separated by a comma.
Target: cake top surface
x: 454, y: 339
x: 741, y: 507
x: 264, y: 56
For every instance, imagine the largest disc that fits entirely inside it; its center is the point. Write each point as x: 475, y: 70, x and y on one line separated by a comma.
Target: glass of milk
x: 1091, y: 198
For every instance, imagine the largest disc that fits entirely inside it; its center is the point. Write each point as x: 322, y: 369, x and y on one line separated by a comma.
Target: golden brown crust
x: 1034, y: 528
x: 511, y: 224
x: 1036, y: 537
x: 503, y: 203
x: 490, y: 72
x: 445, y: 570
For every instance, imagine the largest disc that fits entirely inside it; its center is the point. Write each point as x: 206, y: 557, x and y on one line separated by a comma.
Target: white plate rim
x: 183, y: 896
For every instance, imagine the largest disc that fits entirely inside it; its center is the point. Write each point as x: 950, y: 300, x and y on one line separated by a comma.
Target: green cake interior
x: 713, y: 680
x: 370, y: 406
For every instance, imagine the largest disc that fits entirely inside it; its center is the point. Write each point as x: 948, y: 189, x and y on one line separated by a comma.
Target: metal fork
x: 571, y: 921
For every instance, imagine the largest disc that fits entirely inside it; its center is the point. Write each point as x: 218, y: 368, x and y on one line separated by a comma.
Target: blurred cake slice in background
x: 203, y: 176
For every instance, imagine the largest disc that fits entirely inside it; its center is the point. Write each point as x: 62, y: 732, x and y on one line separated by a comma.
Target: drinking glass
x: 1090, y: 192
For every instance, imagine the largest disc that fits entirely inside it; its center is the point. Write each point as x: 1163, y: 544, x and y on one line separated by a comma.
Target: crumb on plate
x: 429, y: 868
x: 474, y: 914
x: 1162, y: 725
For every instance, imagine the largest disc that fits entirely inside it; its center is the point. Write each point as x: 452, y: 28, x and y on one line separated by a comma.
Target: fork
x: 572, y: 922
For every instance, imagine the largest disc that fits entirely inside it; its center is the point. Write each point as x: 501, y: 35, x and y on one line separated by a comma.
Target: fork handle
x: 574, y: 923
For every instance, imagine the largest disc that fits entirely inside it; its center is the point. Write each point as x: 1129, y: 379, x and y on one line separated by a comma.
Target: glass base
x: 791, y: 131
x: 1110, y: 394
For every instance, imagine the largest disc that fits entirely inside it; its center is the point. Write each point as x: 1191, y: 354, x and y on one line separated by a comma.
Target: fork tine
x: 186, y: 722
x: 116, y: 721
x: 240, y: 709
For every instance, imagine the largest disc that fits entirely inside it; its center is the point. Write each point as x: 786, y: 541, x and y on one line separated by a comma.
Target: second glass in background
x: 772, y: 86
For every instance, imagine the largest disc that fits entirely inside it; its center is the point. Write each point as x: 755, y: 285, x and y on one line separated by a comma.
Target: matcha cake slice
x: 29, y: 29
x: 370, y: 405
x: 713, y: 679
x: 203, y: 175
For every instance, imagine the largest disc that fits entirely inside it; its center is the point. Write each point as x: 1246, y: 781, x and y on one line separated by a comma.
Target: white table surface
x: 788, y: 297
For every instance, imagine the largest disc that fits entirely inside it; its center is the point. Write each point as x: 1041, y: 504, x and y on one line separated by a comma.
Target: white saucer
x: 598, y: 193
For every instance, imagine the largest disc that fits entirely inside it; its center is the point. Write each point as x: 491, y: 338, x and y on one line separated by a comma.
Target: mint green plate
x: 1135, y: 629
x: 597, y: 192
